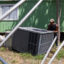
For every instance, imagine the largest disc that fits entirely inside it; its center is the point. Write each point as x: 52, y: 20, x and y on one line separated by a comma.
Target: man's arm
x: 56, y: 28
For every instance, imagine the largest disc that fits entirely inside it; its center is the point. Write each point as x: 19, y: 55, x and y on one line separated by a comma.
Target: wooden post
x: 58, y: 18
x: 59, y: 26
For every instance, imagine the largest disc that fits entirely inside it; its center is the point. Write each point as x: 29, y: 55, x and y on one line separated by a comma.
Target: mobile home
x: 39, y: 18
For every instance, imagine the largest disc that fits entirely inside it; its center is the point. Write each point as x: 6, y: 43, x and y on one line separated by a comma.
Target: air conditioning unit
x: 20, y: 40
x: 32, y: 40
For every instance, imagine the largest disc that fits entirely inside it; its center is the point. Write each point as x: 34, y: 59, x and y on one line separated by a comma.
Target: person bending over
x: 52, y: 26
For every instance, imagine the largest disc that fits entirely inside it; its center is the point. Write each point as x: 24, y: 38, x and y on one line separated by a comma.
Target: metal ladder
x: 48, y: 50
x: 3, y: 61
x: 53, y: 57
x: 22, y: 20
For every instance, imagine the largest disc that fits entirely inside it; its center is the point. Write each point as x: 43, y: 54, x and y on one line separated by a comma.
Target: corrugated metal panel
x: 62, y: 16
x: 4, y: 26
x: 7, y: 24
x: 41, y: 16
x: 8, y: 0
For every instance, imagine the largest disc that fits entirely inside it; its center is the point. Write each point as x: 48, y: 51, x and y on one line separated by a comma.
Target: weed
x: 60, y: 54
x: 13, y: 61
x: 2, y: 49
x: 29, y: 56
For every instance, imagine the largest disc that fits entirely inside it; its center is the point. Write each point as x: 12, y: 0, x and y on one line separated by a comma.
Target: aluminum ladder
x: 55, y: 54
x: 3, y: 61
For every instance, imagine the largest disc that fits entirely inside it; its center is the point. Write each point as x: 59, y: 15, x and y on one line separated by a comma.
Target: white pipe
x: 11, y: 9
x: 48, y: 50
x: 22, y: 20
x: 62, y: 44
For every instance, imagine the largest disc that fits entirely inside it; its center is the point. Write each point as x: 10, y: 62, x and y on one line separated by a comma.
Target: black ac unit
x: 32, y: 40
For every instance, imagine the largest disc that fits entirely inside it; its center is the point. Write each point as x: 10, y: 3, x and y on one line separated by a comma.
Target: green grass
x: 38, y: 57
x: 13, y: 61
x: 2, y: 49
x: 29, y: 56
x: 1, y: 62
x: 25, y: 55
x: 60, y: 54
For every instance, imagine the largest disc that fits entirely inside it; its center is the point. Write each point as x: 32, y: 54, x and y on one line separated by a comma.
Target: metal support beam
x: 22, y: 20
x: 3, y: 61
x: 49, y: 50
x: 59, y: 48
